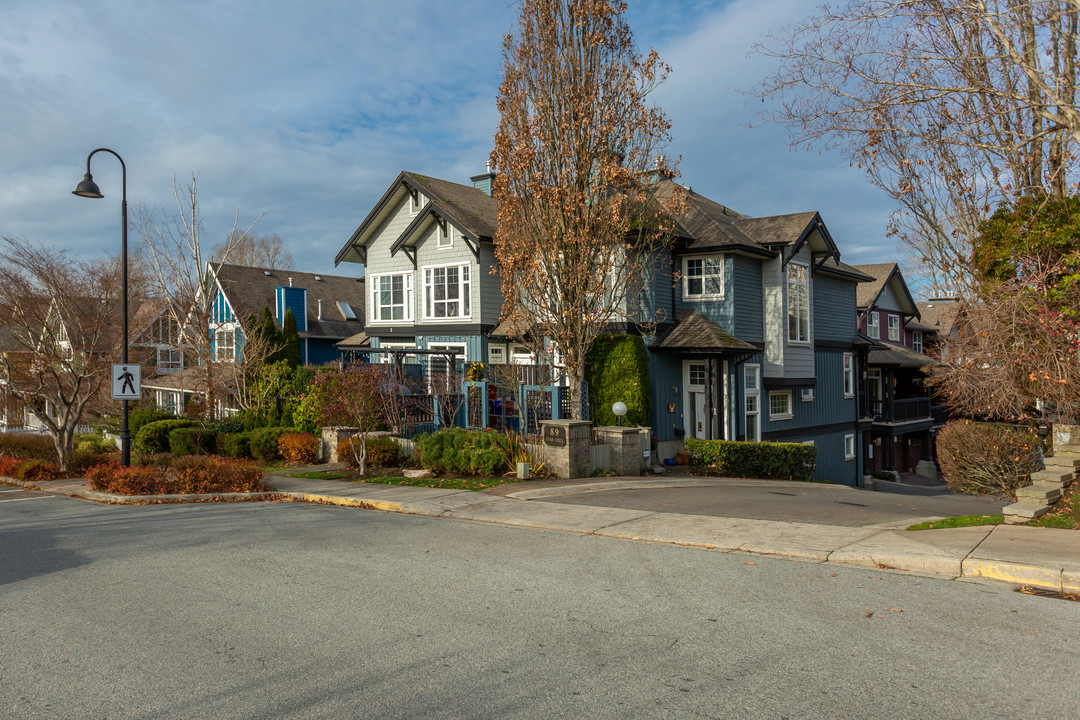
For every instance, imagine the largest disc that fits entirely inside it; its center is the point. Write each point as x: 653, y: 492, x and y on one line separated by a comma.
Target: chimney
x: 485, y: 180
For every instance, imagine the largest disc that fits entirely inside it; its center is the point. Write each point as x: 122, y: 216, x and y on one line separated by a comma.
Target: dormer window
x: 873, y: 325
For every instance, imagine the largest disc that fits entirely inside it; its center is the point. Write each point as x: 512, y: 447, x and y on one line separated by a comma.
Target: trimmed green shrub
x: 236, y: 445
x: 777, y: 461
x: 144, y: 416
x: 154, y: 437
x: 264, y: 443
x: 192, y: 441
x: 383, y: 452
x: 456, y: 450
x: 617, y: 369
x: 983, y: 457
x: 94, y: 444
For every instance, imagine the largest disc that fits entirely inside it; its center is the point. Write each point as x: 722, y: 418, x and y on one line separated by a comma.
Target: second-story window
x: 703, y: 277
x: 798, y: 286
x: 849, y: 375
x: 916, y: 341
x: 894, y: 328
x: 225, y: 344
x: 391, y: 297
x: 873, y: 325
x: 447, y: 292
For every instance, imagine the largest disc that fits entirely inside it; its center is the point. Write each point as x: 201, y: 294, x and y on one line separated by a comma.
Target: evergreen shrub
x: 777, y: 461
x: 456, y: 450
x: 383, y: 452
x: 154, y: 437
x: 264, y: 442
x: 144, y: 416
x: 192, y: 441
x: 617, y: 370
x: 235, y: 445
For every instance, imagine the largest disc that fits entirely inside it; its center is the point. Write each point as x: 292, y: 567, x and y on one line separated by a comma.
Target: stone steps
x: 1046, y: 486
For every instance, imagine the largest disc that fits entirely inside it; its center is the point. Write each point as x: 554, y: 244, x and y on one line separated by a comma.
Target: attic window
x: 346, y: 310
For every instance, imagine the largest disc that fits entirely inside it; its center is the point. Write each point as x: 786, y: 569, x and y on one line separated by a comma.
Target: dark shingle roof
x: 868, y: 292
x: 694, y: 331
x: 473, y: 210
x: 939, y: 316
x: 777, y: 229
x: 250, y: 289
x: 898, y: 355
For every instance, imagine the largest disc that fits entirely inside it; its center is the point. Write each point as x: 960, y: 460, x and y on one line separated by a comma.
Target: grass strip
x: 959, y: 521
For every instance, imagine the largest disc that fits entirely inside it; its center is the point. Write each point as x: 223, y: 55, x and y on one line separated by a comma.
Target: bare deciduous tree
x: 183, y: 275
x: 952, y: 106
x: 252, y: 250
x: 61, y: 319
x: 577, y: 150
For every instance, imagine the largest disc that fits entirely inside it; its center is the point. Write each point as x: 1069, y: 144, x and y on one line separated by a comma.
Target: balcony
x: 900, y: 410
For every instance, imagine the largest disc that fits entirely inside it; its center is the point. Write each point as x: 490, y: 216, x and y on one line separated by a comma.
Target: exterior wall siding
x: 887, y: 300
x: 719, y: 310
x: 834, y: 310
x: 747, y: 289
x: 665, y: 371
x: 295, y: 299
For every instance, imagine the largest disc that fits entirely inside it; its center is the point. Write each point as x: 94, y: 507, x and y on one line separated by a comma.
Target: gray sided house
x: 427, y: 247
x: 327, y: 308
x: 762, y: 344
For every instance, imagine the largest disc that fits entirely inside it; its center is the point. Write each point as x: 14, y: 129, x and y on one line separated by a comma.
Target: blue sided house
x: 757, y: 340
x: 327, y: 308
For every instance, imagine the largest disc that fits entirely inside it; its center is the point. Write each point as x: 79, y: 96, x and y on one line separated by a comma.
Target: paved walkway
x: 1039, y: 557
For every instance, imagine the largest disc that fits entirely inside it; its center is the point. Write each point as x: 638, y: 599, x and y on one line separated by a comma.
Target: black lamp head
x: 88, y: 188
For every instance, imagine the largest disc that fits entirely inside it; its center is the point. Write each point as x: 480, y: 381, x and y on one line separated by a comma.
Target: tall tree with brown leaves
x: 577, y: 155
x: 951, y: 106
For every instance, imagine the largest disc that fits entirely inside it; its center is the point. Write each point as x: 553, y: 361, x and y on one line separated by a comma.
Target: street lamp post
x: 88, y: 188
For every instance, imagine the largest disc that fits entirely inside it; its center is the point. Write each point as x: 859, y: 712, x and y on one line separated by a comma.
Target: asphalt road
x: 283, y: 610
x: 791, y: 502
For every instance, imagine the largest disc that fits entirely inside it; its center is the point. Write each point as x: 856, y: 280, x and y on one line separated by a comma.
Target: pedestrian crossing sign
x: 126, y: 381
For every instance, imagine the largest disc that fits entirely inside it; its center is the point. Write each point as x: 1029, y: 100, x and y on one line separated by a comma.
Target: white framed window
x: 873, y: 325
x: 389, y: 358
x: 445, y: 235
x: 225, y: 344
x: 780, y: 405
x: 894, y: 328
x: 521, y: 355
x: 168, y: 358
x: 849, y: 447
x: 849, y: 375
x: 916, y: 341
x: 697, y: 375
x: 447, y: 292
x: 751, y: 401
x: 703, y: 277
x: 416, y: 203
x: 798, y: 286
x: 391, y: 297
x: 807, y: 394
x: 496, y: 354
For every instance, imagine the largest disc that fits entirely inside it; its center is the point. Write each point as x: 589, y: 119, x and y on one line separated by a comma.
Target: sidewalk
x: 1045, y: 558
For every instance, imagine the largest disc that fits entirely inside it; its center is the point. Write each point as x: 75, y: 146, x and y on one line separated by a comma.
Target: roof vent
x: 290, y: 282
x: 267, y: 273
x: 318, y: 278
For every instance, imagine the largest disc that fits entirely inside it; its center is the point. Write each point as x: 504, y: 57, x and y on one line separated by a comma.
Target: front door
x: 698, y: 413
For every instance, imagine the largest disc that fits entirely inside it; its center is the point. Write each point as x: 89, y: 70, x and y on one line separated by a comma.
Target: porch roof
x: 898, y: 356
x: 695, y: 333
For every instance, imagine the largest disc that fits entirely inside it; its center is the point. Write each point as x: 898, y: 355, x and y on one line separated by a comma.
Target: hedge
x: 184, y: 475
x: 777, y: 461
x: 154, y: 437
x: 235, y: 445
x: 456, y: 450
x: 144, y: 416
x: 617, y: 370
x: 27, y: 446
x: 299, y: 448
x: 192, y: 441
x: 983, y: 457
x: 264, y: 442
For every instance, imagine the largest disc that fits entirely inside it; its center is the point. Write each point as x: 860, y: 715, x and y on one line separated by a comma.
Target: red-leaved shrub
x: 201, y: 474
x: 300, y: 448
x: 9, y: 466
x: 36, y: 470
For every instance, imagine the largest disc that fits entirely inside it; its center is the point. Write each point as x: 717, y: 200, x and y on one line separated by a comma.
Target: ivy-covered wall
x: 617, y: 369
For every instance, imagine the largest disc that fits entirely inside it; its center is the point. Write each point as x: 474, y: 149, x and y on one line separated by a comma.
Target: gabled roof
x: 940, y: 316
x: 695, y: 332
x: 836, y: 267
x: 250, y: 289
x: 473, y: 211
x: 884, y: 274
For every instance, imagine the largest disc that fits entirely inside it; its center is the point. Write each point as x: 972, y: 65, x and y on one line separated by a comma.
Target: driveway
x: 771, y: 500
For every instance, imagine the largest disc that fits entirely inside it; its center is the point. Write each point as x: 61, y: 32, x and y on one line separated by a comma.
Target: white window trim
x: 424, y: 292
x: 873, y: 330
x: 849, y: 455
x: 496, y: 349
x: 894, y: 324
x: 849, y: 375
x: 781, y: 416
x: 386, y: 358
x: 222, y: 328
x: 917, y: 341
x: 809, y: 310
x: 755, y: 393
x: 703, y: 295
x: 410, y: 297
x: 444, y: 240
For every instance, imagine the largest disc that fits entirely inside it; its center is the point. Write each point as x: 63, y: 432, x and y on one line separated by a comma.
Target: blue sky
x: 307, y: 111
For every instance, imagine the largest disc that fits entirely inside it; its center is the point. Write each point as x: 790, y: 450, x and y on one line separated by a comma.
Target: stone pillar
x: 331, y: 436
x: 625, y: 445
x: 566, y: 447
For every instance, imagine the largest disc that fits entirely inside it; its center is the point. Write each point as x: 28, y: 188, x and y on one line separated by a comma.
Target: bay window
x: 798, y: 287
